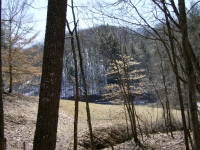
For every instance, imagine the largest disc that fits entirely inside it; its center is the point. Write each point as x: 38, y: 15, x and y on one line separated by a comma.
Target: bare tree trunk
x: 11, y: 79
x: 47, y: 118
x: 10, y: 59
x: 190, y: 72
x: 182, y: 112
x: 87, y: 101
x: 125, y: 91
x: 157, y: 93
x: 77, y: 97
x: 175, y: 69
x: 2, y: 138
x: 84, y: 81
x: 168, y: 122
x: 76, y: 85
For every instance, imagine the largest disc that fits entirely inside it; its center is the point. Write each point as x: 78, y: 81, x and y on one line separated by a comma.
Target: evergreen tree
x: 132, y: 48
x: 145, y: 56
x: 109, y: 45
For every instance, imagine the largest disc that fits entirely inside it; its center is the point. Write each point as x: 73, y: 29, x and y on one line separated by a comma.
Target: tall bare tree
x: 84, y: 81
x: 47, y: 119
x: 2, y: 140
x: 19, y: 32
x: 76, y: 86
x: 175, y: 40
x: 192, y: 72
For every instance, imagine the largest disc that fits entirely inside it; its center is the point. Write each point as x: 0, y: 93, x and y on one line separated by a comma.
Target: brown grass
x: 105, y: 116
x: 100, y: 114
x: 21, y: 112
x: 115, y: 114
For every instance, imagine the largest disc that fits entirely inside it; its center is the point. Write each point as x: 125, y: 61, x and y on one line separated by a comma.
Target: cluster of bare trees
x: 171, y: 37
x: 19, y: 33
x: 183, y: 62
x: 181, y: 55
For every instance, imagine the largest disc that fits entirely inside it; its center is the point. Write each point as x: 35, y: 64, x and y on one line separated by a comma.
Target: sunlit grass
x: 100, y: 114
x: 21, y: 119
x: 115, y: 114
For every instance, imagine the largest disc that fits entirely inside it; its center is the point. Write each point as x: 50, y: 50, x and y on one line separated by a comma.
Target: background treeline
x: 100, y: 46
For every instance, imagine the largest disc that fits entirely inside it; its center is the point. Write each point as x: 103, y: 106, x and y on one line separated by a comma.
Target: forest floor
x: 109, y: 126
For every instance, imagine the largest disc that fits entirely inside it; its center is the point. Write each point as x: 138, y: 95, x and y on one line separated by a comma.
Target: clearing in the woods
x: 108, y: 121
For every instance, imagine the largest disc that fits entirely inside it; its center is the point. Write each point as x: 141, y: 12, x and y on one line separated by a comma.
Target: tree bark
x: 176, y: 72
x: 47, y: 119
x: 76, y: 95
x: 11, y: 78
x: 10, y: 59
x: 2, y: 139
x: 190, y: 72
x: 84, y: 82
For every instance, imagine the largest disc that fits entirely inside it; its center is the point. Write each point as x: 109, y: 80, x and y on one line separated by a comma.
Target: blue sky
x: 40, y: 13
x: 41, y: 10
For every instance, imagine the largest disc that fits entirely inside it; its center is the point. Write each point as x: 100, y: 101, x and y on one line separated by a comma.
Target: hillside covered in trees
x: 101, y: 46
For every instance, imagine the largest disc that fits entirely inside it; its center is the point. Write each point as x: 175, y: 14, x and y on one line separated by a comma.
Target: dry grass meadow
x: 21, y: 112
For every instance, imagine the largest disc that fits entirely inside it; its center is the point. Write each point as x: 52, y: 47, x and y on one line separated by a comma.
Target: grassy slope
x: 150, y: 118
x: 21, y: 113
x: 102, y: 114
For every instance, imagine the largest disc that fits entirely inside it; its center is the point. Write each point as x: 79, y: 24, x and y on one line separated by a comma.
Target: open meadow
x: 21, y: 113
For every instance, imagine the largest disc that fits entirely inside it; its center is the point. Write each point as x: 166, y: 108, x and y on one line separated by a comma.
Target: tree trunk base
x: 3, y: 144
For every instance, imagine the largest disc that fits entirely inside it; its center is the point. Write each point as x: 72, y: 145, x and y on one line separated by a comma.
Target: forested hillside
x: 101, y: 46
x: 105, y: 48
